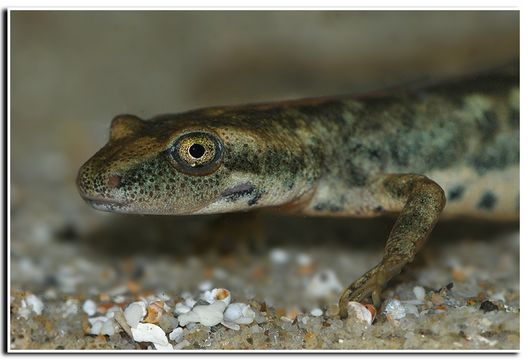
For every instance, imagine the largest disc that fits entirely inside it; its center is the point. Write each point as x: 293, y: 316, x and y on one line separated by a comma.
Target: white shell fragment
x: 134, y: 313
x: 323, y: 284
x: 395, y: 309
x: 151, y: 333
x: 29, y: 304
x: 217, y: 294
x: 89, y: 307
x: 35, y: 304
x: 102, y: 325
x: 208, y: 315
x: 239, y: 313
x: 419, y: 292
x: 108, y: 327
x: 177, y: 334
x: 317, y: 312
x: 360, y: 312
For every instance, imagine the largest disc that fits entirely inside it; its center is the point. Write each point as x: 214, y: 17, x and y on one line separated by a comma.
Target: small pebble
x: 190, y: 302
x: 317, y: 312
x: 134, y: 313
x: 239, y: 313
x: 163, y: 296
x: 279, y: 256
x: 286, y: 319
x: 168, y: 322
x: 230, y: 325
x: 154, y: 312
x: 487, y: 341
x: 217, y: 294
x: 411, y: 309
x: 35, y: 304
x: 182, y: 345
x: 360, y: 312
x: 108, y: 328
x: 488, y: 306
x: 180, y: 308
x: 70, y: 308
x: 102, y: 325
x: 93, y: 320
x: 89, y: 307
x: 395, y: 309
x: 177, y: 334
x: 96, y: 328
x: 118, y: 299
x: 437, y: 299
x: 419, y: 292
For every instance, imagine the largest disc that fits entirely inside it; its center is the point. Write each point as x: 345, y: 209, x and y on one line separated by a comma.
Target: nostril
x: 114, y: 181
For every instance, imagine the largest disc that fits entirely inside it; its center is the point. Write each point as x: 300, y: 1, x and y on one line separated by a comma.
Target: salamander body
x: 445, y: 150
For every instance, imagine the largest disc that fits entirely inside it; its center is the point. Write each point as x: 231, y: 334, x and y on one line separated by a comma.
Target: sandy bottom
x: 291, y: 279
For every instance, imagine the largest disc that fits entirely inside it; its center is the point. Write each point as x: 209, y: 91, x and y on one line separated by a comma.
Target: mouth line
x: 92, y: 200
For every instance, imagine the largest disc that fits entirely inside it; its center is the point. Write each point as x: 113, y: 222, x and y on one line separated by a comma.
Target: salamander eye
x: 196, y: 153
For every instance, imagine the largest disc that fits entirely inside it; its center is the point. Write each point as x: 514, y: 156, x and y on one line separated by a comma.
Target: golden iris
x: 196, y: 153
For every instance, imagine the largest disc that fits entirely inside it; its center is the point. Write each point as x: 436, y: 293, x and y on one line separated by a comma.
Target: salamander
x: 445, y: 150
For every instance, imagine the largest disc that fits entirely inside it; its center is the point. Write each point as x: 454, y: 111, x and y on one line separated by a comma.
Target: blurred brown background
x: 71, y: 72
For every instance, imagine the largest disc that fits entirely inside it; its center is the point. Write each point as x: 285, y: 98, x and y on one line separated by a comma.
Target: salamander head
x: 194, y: 163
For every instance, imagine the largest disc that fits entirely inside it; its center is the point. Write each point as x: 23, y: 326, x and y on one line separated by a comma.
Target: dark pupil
x: 197, y: 151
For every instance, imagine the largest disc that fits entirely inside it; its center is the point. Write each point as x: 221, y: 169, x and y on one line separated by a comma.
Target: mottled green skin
x: 286, y: 150
x: 406, y: 152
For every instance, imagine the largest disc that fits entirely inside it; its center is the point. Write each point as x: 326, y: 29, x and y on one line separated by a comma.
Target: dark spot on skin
x: 456, y: 193
x: 502, y: 152
x: 488, y: 124
x: 241, y: 190
x: 488, y: 201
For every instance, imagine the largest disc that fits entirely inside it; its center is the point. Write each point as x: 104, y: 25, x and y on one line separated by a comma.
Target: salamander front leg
x: 419, y: 202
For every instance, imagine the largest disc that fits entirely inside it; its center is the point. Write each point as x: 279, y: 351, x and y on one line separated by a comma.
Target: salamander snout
x: 100, y: 190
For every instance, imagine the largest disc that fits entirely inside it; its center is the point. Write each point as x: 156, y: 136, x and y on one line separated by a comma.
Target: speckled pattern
x: 375, y: 152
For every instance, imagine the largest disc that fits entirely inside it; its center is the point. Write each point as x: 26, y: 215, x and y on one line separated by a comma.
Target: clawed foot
x: 370, y: 284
